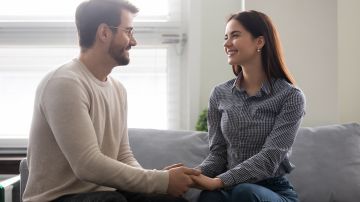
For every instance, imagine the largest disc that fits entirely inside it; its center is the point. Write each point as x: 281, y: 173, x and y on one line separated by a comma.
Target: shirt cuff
x: 227, y: 178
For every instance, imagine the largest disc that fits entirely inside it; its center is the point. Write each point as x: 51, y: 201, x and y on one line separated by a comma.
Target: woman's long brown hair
x: 259, y: 24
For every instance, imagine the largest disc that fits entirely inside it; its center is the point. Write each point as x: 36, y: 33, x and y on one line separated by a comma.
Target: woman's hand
x: 206, y: 183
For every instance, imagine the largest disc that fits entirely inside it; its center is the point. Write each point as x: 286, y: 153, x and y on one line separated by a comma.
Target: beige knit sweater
x: 79, y: 141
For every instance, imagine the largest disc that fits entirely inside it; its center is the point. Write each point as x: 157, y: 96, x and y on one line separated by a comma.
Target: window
x: 36, y: 39
x: 45, y: 10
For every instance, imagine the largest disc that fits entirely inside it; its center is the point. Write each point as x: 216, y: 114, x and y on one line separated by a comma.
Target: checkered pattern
x: 251, y: 136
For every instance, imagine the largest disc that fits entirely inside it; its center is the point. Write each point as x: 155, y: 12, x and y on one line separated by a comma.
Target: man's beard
x: 119, y: 55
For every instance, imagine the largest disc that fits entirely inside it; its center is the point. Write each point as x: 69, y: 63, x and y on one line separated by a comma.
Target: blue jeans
x: 277, y: 189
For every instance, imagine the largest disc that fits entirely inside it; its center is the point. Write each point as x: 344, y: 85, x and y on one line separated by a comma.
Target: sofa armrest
x: 24, y: 173
x: 8, y: 187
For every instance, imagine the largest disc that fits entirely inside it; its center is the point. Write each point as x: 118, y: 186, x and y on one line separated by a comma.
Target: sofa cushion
x: 160, y: 148
x: 327, y: 161
x: 168, y: 147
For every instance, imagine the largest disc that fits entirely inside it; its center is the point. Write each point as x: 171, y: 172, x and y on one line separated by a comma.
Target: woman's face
x: 240, y: 46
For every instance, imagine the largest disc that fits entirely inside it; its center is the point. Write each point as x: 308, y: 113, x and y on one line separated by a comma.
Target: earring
x: 258, y: 50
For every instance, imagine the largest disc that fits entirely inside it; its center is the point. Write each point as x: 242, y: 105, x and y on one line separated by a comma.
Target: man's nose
x: 133, y: 41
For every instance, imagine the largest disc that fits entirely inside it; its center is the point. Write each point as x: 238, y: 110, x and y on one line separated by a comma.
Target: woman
x: 252, y: 119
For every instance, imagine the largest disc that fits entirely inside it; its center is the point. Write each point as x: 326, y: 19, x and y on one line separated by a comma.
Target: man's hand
x: 180, y: 180
x: 173, y: 166
x: 206, y: 183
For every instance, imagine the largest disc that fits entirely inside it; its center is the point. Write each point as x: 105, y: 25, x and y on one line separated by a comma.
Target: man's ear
x: 103, y: 32
x: 260, y: 42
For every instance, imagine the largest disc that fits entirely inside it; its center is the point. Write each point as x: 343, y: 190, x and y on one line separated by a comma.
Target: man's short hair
x: 90, y: 14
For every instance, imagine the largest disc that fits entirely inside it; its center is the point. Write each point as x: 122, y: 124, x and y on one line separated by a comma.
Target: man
x: 78, y: 147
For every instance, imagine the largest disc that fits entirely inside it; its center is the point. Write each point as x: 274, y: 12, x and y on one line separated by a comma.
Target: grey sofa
x: 327, y: 159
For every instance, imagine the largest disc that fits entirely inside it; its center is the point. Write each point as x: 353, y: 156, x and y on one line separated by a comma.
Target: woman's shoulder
x: 291, y: 91
x: 222, y: 90
x: 225, y: 85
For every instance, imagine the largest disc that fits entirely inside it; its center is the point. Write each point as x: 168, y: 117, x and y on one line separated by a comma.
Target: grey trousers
x: 117, y: 196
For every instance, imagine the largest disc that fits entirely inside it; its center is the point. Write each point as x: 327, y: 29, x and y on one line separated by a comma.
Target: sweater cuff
x: 162, y: 181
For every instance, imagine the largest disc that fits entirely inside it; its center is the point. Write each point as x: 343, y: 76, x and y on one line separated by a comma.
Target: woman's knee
x: 246, y: 193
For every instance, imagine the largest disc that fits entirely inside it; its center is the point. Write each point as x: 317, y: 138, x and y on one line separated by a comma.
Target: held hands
x: 180, y: 179
x: 206, y: 183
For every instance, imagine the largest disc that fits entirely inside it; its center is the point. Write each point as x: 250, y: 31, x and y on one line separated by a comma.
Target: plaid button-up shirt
x: 250, y: 136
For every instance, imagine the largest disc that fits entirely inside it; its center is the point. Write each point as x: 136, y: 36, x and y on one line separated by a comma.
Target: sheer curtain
x: 40, y: 36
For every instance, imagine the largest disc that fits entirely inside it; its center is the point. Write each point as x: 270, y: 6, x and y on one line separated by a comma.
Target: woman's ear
x: 260, y: 42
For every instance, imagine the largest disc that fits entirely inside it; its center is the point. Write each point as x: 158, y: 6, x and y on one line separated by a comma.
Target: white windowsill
x: 11, y: 143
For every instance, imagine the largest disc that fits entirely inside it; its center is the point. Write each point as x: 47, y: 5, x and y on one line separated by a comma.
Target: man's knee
x: 101, y: 196
x: 114, y: 197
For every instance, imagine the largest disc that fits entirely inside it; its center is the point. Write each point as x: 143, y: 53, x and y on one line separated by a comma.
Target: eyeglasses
x: 129, y: 30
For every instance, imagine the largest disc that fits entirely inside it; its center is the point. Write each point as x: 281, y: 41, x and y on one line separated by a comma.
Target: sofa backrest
x: 327, y: 159
x: 159, y: 148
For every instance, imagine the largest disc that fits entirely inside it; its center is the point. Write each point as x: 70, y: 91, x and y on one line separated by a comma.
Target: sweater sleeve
x: 65, y: 104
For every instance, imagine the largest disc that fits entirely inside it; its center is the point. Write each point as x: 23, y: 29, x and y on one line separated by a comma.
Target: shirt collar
x: 235, y: 85
x: 265, y: 87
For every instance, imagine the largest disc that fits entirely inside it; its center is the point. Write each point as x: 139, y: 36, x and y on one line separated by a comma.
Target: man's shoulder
x: 66, y: 70
x: 70, y: 70
x: 65, y: 74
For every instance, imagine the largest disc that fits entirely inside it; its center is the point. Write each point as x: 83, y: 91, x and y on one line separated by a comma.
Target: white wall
x: 214, y: 66
x: 349, y: 60
x: 204, y: 55
x: 308, y: 32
